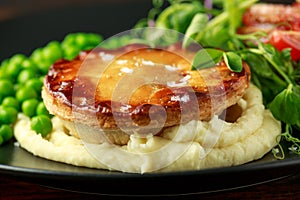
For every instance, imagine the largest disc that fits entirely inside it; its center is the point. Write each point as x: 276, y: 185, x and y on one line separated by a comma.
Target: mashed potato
x: 211, y: 144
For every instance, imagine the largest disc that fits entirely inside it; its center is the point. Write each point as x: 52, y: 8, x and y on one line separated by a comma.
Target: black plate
x: 20, y: 164
x: 25, y: 33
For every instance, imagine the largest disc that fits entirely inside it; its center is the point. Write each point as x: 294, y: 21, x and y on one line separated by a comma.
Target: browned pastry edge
x: 102, y: 116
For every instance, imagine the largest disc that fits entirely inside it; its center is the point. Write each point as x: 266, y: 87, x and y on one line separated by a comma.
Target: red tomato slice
x: 286, y: 39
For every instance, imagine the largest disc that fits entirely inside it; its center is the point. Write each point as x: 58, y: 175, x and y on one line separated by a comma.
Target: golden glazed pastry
x: 136, y: 88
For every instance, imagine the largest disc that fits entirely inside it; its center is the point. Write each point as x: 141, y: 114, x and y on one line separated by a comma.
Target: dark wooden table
x: 287, y: 188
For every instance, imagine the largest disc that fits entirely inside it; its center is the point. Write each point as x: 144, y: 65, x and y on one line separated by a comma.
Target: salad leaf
x: 198, y: 23
x: 234, y: 18
x: 285, y: 105
x: 233, y: 61
x: 258, y: 64
x: 280, y: 61
x: 220, y: 31
x: 178, y: 16
x: 152, y: 14
x: 206, y: 58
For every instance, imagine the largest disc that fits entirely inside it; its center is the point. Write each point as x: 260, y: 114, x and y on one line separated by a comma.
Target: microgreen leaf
x: 178, y: 16
x: 286, y: 105
x: 196, y: 26
x: 206, y: 58
x: 234, y: 17
x: 233, y: 61
x: 258, y: 64
x: 274, y: 57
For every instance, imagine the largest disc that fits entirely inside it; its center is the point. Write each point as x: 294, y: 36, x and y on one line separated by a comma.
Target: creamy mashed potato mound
x: 249, y: 138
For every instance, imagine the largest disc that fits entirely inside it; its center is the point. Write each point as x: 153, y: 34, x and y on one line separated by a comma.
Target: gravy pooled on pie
x: 137, y: 86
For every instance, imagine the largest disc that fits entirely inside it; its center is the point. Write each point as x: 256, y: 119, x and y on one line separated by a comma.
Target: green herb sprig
x: 206, y: 58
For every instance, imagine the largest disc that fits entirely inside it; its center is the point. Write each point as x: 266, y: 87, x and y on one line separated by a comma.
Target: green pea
x: 35, y: 83
x: 29, y: 64
x: 29, y: 107
x: 37, y: 56
x: 17, y: 86
x: 5, y: 62
x: 73, y: 43
x: 17, y: 58
x: 52, y: 51
x: 41, y: 78
x: 94, y: 39
x: 88, y: 47
x: 81, y: 40
x: 8, y: 115
x: 11, y: 102
x: 13, y: 69
x: 44, y: 67
x: 112, y: 43
x: 42, y: 110
x: 25, y: 75
x: 70, y: 39
x: 6, y: 132
x: 124, y: 40
x: 39, y: 60
x: 41, y: 124
x: 71, y: 52
x: 6, y: 87
x: 24, y: 93
x: 3, y: 74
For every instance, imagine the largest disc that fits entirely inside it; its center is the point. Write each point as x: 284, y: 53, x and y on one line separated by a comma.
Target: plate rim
x: 36, y: 175
x: 56, y: 179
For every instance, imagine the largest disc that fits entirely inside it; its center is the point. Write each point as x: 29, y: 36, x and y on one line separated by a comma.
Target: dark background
x: 29, y: 24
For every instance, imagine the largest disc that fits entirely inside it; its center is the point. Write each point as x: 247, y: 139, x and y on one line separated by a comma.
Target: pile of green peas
x: 21, y: 81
